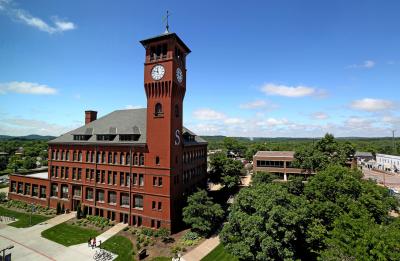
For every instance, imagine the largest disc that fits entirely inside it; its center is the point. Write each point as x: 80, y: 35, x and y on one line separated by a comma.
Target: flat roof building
x: 278, y: 163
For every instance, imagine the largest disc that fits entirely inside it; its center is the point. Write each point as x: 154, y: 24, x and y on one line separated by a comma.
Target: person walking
x: 94, y: 242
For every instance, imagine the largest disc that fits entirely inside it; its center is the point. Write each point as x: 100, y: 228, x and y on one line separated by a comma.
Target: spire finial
x: 166, y: 20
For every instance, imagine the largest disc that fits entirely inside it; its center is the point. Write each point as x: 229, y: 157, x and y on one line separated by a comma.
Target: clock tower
x: 165, y: 87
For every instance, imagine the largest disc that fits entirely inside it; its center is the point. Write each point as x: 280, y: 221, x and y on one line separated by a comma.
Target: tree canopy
x: 225, y: 171
x: 201, y: 213
x: 336, y: 212
x: 326, y: 151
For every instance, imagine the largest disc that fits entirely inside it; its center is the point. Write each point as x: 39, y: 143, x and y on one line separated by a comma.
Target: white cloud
x: 369, y: 104
x: 272, y: 122
x: 254, y: 104
x: 232, y: 121
x: 21, y: 126
x: 208, y: 114
x: 26, y: 88
x: 368, y: 64
x: 133, y: 106
x: 258, y: 104
x: 58, y: 25
x: 288, y: 91
x: 320, y: 116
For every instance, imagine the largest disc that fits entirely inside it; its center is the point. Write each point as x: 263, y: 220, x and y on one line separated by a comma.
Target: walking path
x: 202, y: 250
x: 30, y: 245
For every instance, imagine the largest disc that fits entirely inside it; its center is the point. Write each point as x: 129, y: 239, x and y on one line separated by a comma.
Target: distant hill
x: 27, y: 137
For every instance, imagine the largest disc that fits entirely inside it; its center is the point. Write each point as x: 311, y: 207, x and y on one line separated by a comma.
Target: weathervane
x: 165, y: 19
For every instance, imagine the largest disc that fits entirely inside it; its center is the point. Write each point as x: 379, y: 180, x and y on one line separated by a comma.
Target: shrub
x: 190, y: 236
x: 147, y: 231
x: 3, y: 196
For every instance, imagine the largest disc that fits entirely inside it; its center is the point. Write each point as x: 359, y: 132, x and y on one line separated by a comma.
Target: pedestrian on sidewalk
x: 94, y: 242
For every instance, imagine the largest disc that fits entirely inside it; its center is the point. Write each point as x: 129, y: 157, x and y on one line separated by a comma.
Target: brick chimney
x: 90, y: 116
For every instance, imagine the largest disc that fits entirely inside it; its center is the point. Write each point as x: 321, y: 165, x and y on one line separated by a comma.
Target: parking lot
x: 390, y: 180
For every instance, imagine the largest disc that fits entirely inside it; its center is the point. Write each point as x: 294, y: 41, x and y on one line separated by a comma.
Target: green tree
x: 29, y: 163
x: 266, y: 223
x: 217, y: 163
x: 3, y: 196
x: 325, y: 152
x: 14, y: 163
x: 360, y: 238
x: 3, y: 162
x: 262, y: 177
x: 231, y: 174
x: 201, y: 213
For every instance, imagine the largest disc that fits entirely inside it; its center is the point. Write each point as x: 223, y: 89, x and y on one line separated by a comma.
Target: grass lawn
x: 23, y: 218
x: 69, y: 235
x: 121, y: 246
x: 219, y: 254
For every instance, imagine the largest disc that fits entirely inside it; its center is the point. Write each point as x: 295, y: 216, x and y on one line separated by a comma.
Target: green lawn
x: 121, y: 246
x: 69, y: 235
x: 219, y: 254
x: 23, y: 218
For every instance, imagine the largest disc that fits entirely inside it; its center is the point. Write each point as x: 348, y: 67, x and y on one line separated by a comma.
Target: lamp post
x: 4, y: 251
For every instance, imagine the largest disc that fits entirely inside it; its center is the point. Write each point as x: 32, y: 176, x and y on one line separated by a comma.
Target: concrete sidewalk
x: 201, y: 250
x: 30, y: 245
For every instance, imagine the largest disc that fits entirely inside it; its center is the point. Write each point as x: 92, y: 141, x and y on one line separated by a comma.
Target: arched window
x: 98, y: 157
x: 80, y: 156
x: 158, y: 110
x: 121, y: 158
x: 103, y: 157
x: 128, y: 158
x: 67, y: 155
x: 136, y: 160
x: 157, y: 160
x: 62, y: 155
x: 109, y: 158
x: 176, y: 110
x: 141, y: 160
x: 91, y: 156
x: 115, y: 158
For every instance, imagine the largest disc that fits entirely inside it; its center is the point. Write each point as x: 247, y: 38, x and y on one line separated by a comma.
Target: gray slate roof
x: 132, y: 121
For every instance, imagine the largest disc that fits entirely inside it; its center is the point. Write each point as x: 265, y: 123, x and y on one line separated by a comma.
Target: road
x: 389, y: 180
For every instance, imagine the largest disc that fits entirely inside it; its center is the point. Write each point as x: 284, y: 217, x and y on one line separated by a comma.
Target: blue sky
x: 257, y: 68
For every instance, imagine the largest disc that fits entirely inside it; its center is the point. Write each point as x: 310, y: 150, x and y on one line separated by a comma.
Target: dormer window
x: 129, y: 137
x: 105, y: 137
x: 158, y: 110
x: 82, y: 137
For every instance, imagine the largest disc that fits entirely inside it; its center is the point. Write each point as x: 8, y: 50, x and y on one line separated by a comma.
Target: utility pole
x: 394, y: 143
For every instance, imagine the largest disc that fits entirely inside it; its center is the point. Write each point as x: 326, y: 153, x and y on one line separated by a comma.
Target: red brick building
x: 134, y: 166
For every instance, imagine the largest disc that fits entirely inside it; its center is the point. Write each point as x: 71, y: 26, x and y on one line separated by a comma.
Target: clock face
x: 179, y: 75
x: 157, y: 72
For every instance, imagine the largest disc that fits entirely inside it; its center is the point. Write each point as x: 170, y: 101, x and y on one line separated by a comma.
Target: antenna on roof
x: 165, y: 19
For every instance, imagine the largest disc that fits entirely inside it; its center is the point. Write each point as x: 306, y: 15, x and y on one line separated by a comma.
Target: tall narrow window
x: 128, y: 158
x: 121, y: 158
x: 141, y: 160
x: 158, y: 110
x: 103, y: 157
